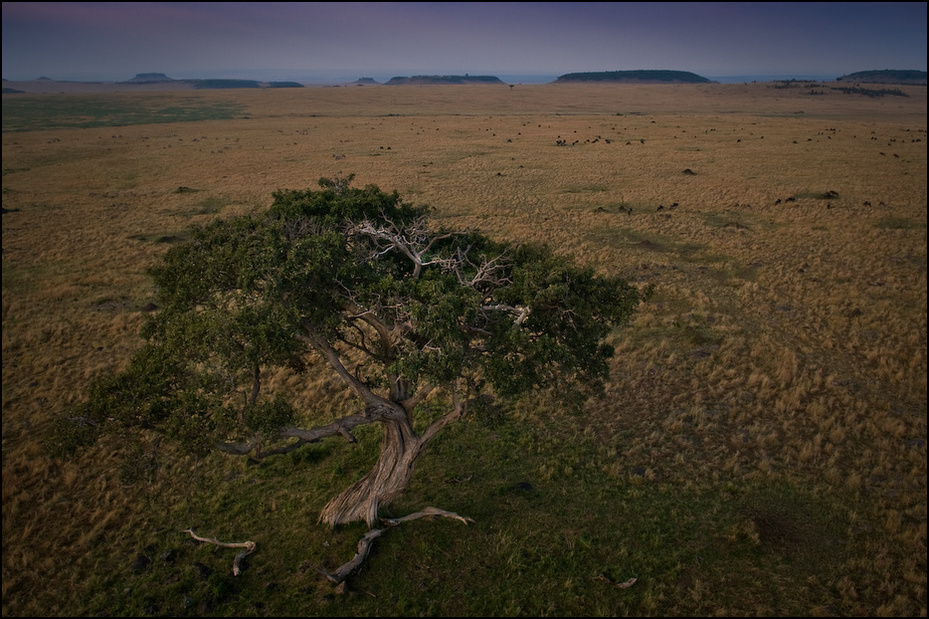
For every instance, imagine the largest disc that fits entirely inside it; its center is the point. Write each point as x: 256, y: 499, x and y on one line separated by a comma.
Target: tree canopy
x: 399, y: 311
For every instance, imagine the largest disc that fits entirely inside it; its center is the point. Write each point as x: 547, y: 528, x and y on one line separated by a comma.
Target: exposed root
x: 236, y: 564
x: 364, y: 545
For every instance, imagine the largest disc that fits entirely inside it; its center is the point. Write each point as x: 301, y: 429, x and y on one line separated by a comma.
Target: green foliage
x: 352, y: 270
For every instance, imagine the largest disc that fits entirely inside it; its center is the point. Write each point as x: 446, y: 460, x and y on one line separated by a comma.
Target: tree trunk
x: 390, y: 475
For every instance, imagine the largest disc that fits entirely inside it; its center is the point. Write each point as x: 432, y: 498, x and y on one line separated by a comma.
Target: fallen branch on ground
x: 429, y: 511
x: 618, y: 585
x: 236, y: 564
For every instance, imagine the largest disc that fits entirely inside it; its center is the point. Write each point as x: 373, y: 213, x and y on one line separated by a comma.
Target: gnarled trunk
x: 390, y: 475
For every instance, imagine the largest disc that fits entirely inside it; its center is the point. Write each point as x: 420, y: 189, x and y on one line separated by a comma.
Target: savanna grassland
x: 762, y: 446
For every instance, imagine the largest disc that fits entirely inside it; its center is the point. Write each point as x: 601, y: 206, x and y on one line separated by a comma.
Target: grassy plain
x: 762, y: 446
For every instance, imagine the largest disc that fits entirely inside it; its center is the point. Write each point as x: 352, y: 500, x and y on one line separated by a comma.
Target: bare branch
x: 238, y: 449
x: 324, y: 348
x: 428, y: 511
x: 236, y: 564
x: 485, y: 273
x: 458, y: 411
x: 522, y: 313
x: 388, y: 333
x: 414, y: 243
x: 342, y: 427
x: 414, y: 400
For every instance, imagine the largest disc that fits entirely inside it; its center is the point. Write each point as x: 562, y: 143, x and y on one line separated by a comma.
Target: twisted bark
x: 385, y: 481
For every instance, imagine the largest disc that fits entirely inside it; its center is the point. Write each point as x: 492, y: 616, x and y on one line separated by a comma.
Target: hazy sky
x: 322, y: 41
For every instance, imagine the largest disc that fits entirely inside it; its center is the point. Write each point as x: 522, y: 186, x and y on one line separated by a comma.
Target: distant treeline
x: 636, y: 77
x: 871, y: 92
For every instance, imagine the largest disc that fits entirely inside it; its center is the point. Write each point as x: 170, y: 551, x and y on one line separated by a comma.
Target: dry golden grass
x: 786, y: 338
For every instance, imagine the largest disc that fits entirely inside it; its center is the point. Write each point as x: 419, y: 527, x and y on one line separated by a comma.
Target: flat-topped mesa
x: 444, y: 79
x: 149, y: 78
x: 636, y: 77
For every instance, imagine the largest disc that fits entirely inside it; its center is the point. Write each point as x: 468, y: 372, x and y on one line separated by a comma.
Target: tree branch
x: 458, y: 411
x: 342, y: 426
x: 331, y: 356
x: 522, y: 313
x: 388, y: 333
x: 413, y: 401
x: 256, y: 385
x: 411, y: 244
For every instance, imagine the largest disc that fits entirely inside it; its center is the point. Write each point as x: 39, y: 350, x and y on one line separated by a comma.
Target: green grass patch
x: 30, y: 113
x: 899, y: 223
x: 552, y: 536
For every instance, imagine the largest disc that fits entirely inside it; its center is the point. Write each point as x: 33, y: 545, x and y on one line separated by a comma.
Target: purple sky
x: 333, y: 41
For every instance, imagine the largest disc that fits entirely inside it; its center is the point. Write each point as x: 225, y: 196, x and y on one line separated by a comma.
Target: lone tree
x: 399, y: 311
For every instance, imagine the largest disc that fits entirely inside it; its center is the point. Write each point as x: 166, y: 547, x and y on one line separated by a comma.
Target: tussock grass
x: 762, y: 445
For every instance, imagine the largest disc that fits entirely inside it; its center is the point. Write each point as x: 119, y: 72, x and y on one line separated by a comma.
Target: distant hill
x: 444, y: 79
x: 363, y: 81
x: 159, y: 78
x: 283, y: 85
x: 636, y: 77
x: 149, y: 78
x: 143, y: 82
x: 886, y: 76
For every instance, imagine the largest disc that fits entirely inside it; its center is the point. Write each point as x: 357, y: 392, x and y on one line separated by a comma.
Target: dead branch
x: 236, y: 564
x: 618, y: 585
x: 429, y: 511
